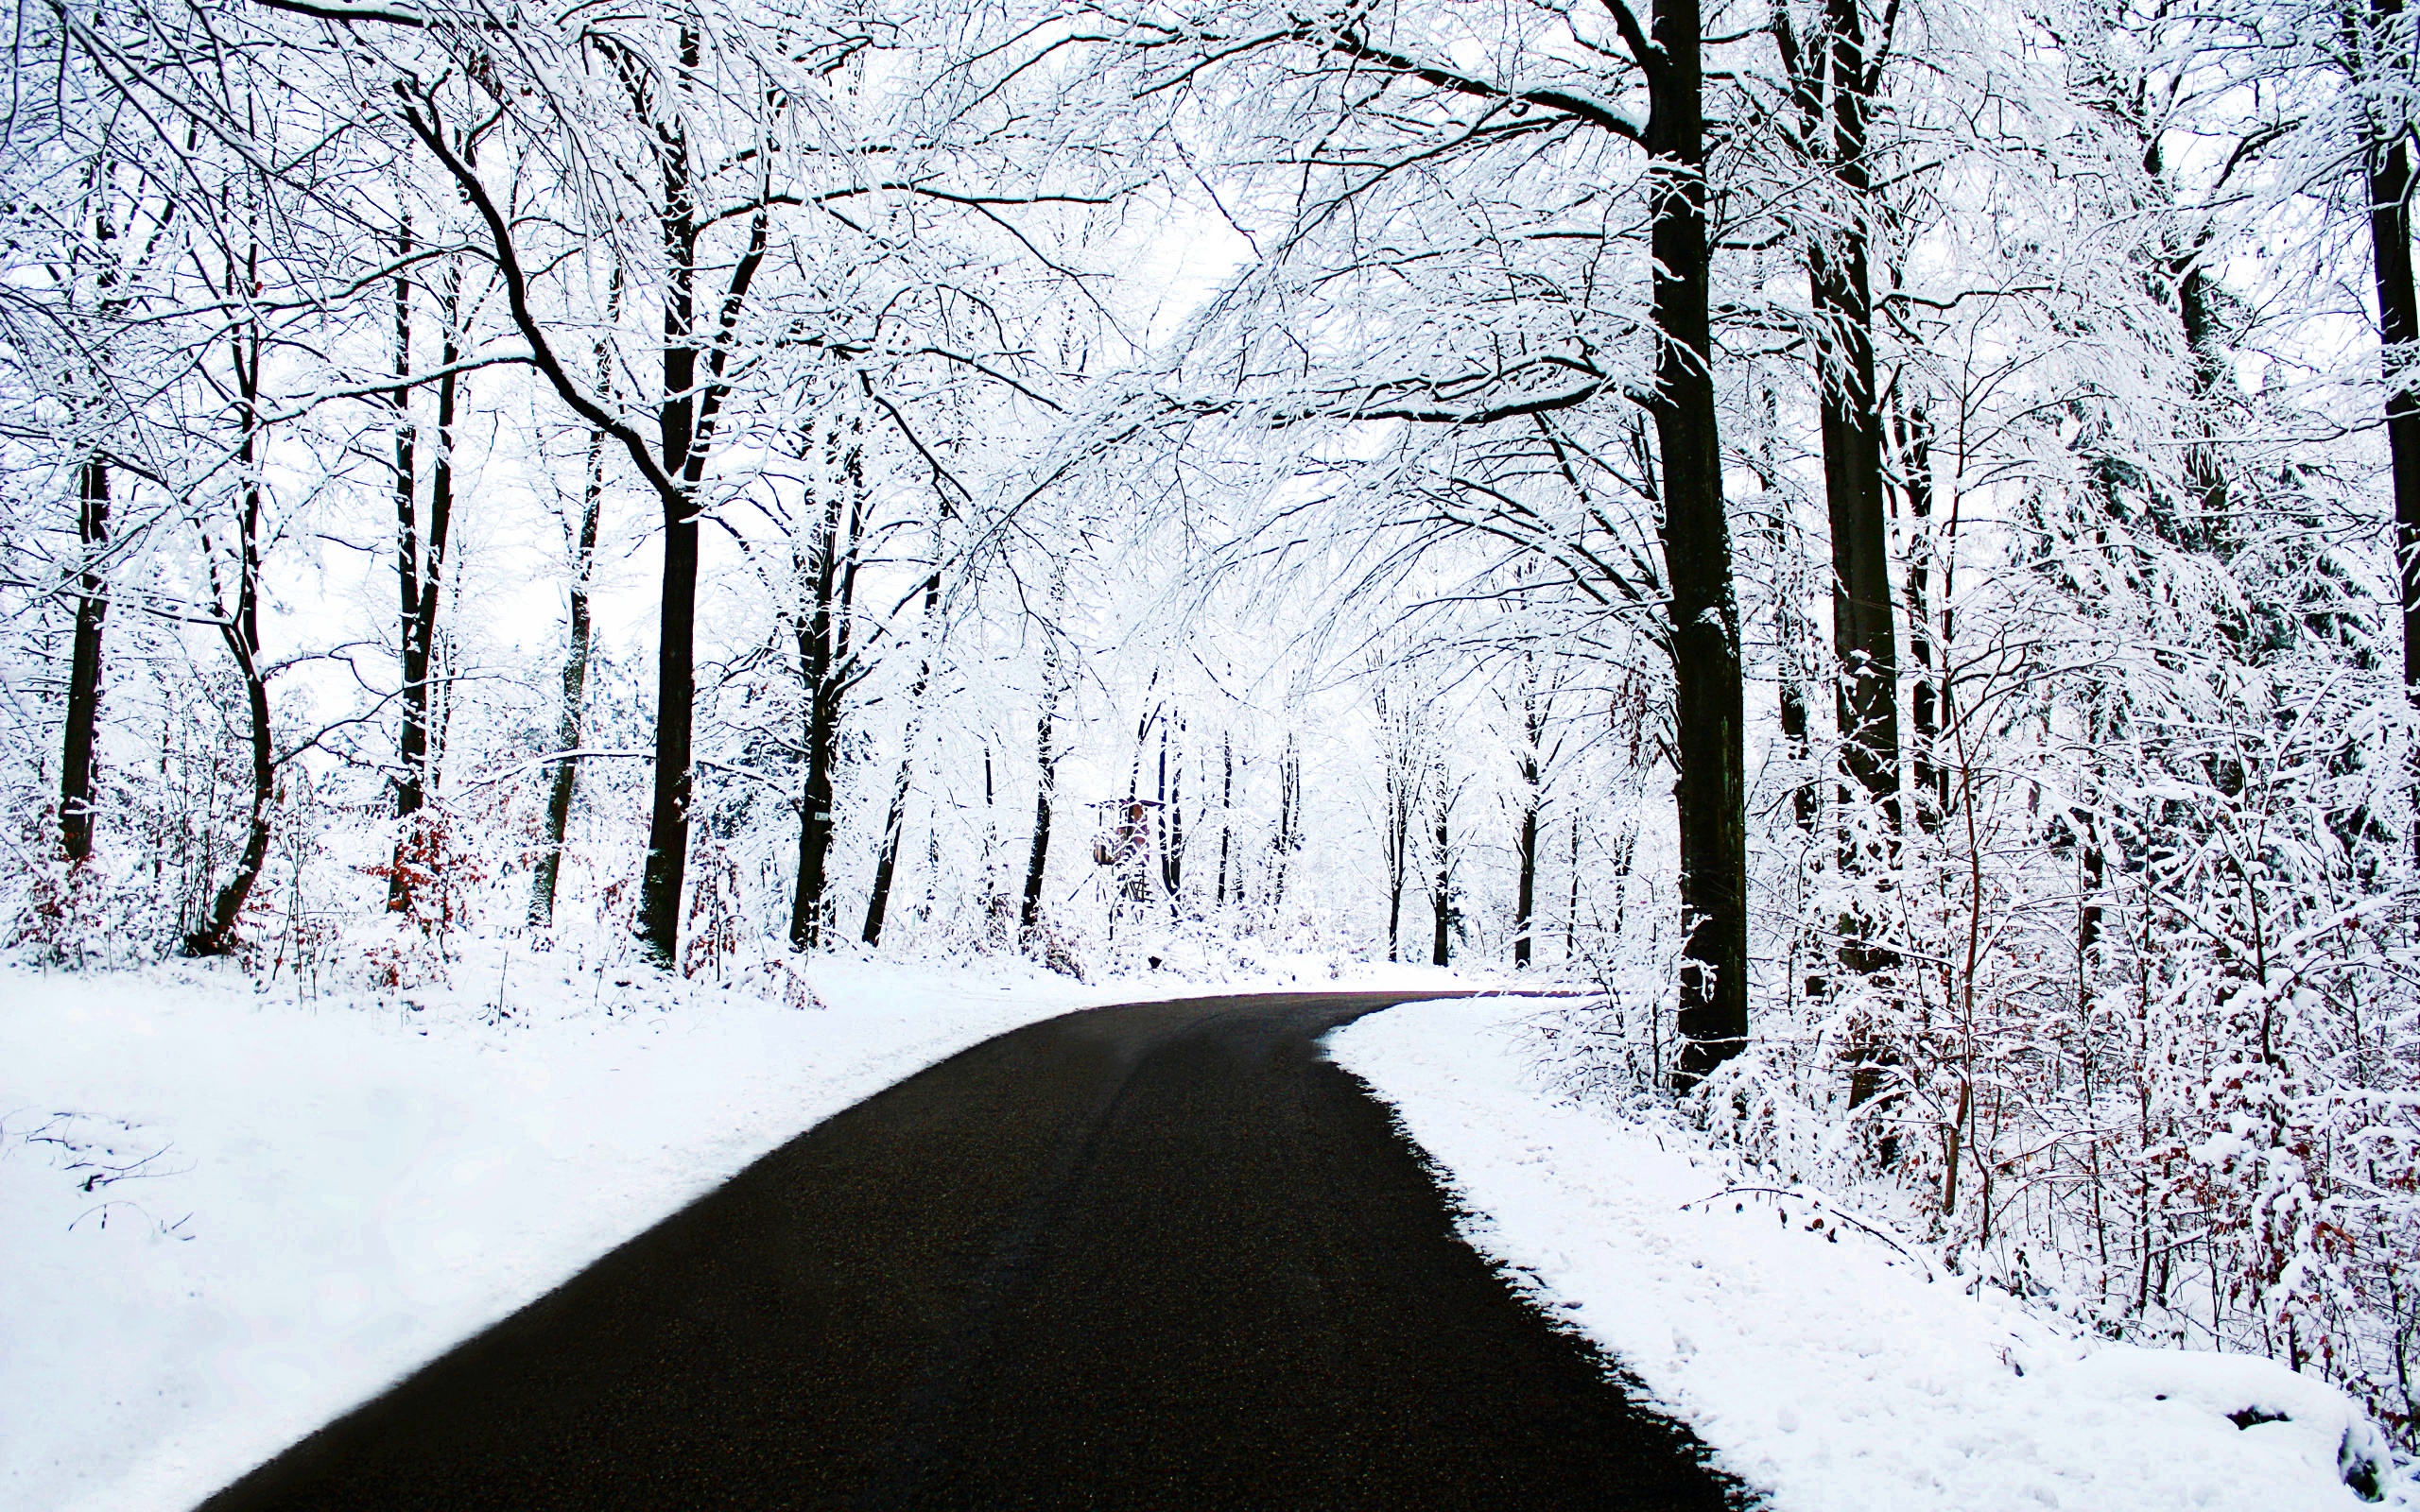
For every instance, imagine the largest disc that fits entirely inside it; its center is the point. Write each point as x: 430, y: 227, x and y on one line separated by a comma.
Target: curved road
x: 1162, y: 1255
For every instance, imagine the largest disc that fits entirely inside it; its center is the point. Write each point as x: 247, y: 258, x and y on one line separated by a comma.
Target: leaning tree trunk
x: 1707, y: 707
x: 84, y: 668
x: 548, y: 871
x: 241, y: 631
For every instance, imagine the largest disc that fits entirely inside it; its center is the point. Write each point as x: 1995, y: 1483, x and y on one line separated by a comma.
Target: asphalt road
x: 1155, y: 1256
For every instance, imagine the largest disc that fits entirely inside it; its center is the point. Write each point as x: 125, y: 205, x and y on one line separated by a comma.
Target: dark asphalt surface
x: 1156, y: 1256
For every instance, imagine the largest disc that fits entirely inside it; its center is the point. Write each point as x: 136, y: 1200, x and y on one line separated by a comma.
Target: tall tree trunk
x: 1526, y: 847
x: 1047, y: 758
x: 1832, y: 86
x: 1926, y: 773
x: 1571, y: 911
x: 825, y: 669
x: 240, y: 631
x: 676, y: 683
x: 84, y: 669
x: 1289, y: 820
x: 545, y: 876
x: 565, y: 780
x: 687, y: 415
x: 1173, y: 818
x: 420, y: 568
x: 2399, y: 342
x: 1440, y: 892
x: 1707, y: 698
x: 886, y: 865
x: 1227, y: 807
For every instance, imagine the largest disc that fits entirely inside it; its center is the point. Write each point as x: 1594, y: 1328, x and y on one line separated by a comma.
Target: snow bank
x: 226, y: 1216
x: 1825, y: 1364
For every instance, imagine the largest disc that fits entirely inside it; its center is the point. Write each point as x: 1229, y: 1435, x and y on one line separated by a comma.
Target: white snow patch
x: 1820, y: 1364
x: 335, y: 1194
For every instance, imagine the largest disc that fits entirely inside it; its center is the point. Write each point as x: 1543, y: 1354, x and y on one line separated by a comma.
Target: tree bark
x: 1047, y: 758
x: 545, y: 876
x: 886, y: 865
x: 2399, y: 343
x: 1927, y: 774
x: 420, y: 570
x: 240, y: 631
x: 548, y: 871
x: 825, y: 670
x: 1707, y: 700
x: 1440, y: 892
x: 84, y: 668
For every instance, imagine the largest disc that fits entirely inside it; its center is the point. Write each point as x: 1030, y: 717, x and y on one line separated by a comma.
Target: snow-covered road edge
x: 1819, y: 1361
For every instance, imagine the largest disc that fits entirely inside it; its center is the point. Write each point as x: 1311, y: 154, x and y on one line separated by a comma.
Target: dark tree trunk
x: 565, y: 780
x: 1440, y: 892
x: 686, y: 413
x: 1227, y: 807
x: 420, y: 569
x: 1832, y: 86
x: 84, y: 668
x: 1863, y: 636
x: 1707, y: 708
x: 1289, y: 822
x: 241, y: 633
x: 885, y: 867
x: 827, y: 669
x: 1046, y: 760
x: 1172, y: 816
x: 676, y: 684
x: 1526, y: 846
x: 1927, y: 774
x: 2399, y: 340
x: 1790, y: 630
x: 1572, y: 914
x: 567, y: 726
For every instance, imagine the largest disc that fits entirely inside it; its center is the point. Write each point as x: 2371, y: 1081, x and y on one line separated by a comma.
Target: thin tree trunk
x: 1571, y: 911
x: 84, y: 669
x: 1227, y: 807
x: 240, y: 631
x: 1047, y: 758
x: 1290, y: 819
x: 1440, y: 894
x: 1173, y: 818
x: 420, y: 572
x: 1927, y: 774
x: 545, y: 875
x: 1526, y: 846
x: 1705, y: 617
x: 548, y: 871
x: 895, y: 822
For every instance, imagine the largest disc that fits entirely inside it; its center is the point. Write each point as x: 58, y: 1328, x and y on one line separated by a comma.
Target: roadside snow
x: 227, y: 1215
x: 1822, y: 1365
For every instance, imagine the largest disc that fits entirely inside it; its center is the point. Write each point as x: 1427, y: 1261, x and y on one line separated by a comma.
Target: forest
x: 1879, y: 539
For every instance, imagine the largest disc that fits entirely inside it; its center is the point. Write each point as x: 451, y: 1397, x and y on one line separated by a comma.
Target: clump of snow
x: 1828, y: 1361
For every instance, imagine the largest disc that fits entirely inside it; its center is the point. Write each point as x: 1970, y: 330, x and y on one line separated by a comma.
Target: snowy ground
x: 1826, y: 1369
x: 227, y: 1215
